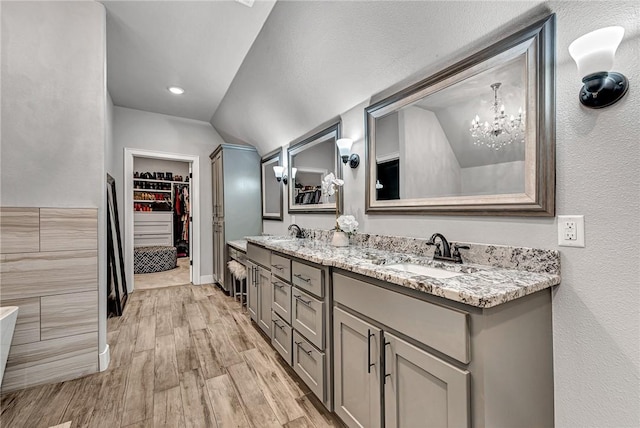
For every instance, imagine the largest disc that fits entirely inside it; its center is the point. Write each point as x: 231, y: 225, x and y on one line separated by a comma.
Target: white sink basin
x: 424, y: 270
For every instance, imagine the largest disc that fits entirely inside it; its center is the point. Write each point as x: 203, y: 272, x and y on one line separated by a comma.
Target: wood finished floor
x: 185, y: 356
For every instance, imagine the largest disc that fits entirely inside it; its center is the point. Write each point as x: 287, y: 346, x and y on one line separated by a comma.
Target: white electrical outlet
x: 571, y: 230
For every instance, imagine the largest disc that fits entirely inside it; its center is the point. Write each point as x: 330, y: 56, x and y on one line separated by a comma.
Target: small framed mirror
x: 477, y: 138
x: 311, y: 159
x: 272, y: 193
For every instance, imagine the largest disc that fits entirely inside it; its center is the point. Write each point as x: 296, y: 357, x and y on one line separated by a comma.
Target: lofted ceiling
x: 197, y: 45
x: 314, y: 60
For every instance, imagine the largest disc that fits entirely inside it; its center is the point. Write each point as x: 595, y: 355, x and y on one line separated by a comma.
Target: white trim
x: 129, y: 154
x: 388, y: 157
x: 206, y: 279
x: 104, y: 358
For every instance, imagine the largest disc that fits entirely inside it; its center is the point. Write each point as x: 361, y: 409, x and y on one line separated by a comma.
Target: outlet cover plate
x: 571, y: 230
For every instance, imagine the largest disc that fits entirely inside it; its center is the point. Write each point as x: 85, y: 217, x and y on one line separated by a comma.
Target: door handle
x: 279, y: 285
x: 369, y: 363
x: 384, y: 364
x: 279, y: 267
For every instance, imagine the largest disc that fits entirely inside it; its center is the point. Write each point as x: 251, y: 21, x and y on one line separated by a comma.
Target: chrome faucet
x: 445, y: 254
x: 299, y: 232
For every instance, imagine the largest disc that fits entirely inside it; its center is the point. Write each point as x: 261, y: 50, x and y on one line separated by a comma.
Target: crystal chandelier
x: 502, y: 131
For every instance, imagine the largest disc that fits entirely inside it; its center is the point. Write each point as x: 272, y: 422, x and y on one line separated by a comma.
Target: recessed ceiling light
x: 176, y: 90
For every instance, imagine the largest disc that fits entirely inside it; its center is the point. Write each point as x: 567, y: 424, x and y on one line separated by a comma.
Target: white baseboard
x: 104, y: 358
x: 206, y: 279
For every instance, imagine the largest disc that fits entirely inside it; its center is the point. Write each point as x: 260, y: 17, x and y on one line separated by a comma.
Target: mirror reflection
x: 271, y: 187
x: 475, y: 138
x: 309, y: 162
x: 465, y: 139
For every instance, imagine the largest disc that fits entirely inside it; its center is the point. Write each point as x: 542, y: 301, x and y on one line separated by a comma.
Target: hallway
x: 180, y: 356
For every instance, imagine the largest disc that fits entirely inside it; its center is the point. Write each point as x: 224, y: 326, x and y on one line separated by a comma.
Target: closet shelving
x: 152, y: 188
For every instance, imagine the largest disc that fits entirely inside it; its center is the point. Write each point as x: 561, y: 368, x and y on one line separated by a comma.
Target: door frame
x: 194, y: 243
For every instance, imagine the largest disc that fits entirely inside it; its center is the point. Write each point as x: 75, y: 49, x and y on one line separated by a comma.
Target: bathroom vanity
x: 393, y: 338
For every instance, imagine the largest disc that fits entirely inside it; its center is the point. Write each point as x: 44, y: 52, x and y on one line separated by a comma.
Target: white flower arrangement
x: 330, y: 184
x: 347, y: 224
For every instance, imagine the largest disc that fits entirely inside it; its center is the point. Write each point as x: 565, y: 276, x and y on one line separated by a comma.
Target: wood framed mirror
x: 272, y: 194
x: 311, y: 159
x: 477, y: 138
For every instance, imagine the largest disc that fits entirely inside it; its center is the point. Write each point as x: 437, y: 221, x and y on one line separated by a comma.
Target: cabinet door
x: 422, y: 390
x: 281, y: 298
x: 222, y: 265
x: 307, y: 316
x: 356, y: 361
x: 252, y: 291
x: 215, y: 252
x: 220, y: 186
x: 264, y: 302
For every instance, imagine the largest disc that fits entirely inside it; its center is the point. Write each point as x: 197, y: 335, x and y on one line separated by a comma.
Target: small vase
x: 340, y: 239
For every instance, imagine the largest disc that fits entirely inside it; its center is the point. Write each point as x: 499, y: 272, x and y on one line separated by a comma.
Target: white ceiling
x: 197, y: 45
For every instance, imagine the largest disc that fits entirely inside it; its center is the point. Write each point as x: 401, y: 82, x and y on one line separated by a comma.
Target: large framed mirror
x: 116, y: 279
x: 272, y: 193
x: 477, y: 138
x: 311, y: 159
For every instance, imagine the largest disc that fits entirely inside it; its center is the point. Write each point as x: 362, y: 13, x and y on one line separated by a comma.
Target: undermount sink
x: 423, y: 270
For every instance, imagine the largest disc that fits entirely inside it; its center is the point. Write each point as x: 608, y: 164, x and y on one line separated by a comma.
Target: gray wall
x: 596, y: 312
x: 428, y: 166
x: 54, y: 106
x: 387, y: 135
x: 150, y: 131
x: 501, y: 178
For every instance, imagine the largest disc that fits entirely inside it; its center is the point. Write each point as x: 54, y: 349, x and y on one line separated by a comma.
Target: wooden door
x: 421, y: 390
x: 356, y: 361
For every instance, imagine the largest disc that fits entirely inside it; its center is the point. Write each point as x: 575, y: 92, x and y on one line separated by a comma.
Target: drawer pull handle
x: 279, y: 267
x: 301, y: 300
x: 277, y: 324
x: 297, y: 275
x: 279, y: 285
x: 299, y: 345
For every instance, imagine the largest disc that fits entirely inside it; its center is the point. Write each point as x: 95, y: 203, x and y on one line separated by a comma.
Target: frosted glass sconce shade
x: 344, y: 147
x: 293, y: 173
x: 594, y: 54
x: 280, y: 175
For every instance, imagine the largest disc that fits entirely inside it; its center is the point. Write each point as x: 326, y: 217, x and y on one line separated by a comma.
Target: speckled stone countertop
x: 238, y: 244
x: 509, y: 272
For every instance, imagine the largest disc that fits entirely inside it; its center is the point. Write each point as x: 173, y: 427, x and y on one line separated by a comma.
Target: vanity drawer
x: 282, y: 338
x: 307, y: 315
x: 281, y: 298
x: 259, y: 255
x: 439, y: 327
x: 308, y: 278
x: 309, y: 363
x: 281, y: 266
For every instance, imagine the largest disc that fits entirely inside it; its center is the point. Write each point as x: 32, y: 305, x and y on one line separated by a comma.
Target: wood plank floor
x: 184, y: 356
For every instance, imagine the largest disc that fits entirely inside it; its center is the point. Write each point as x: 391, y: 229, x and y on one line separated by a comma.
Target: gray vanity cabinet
x: 356, y: 370
x: 264, y: 300
x: 421, y: 390
x: 252, y: 290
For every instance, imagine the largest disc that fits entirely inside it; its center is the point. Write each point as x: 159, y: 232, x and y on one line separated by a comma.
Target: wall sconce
x: 594, y: 53
x: 280, y: 175
x: 344, y: 146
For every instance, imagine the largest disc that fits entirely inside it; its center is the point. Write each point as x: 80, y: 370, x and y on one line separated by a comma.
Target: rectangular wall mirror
x: 271, y: 187
x: 477, y: 138
x: 310, y: 160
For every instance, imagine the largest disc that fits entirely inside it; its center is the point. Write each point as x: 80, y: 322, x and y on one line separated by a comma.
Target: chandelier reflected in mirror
x: 503, y: 130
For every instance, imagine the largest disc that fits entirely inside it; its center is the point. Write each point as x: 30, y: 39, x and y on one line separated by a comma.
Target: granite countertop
x: 238, y: 244
x: 480, y: 285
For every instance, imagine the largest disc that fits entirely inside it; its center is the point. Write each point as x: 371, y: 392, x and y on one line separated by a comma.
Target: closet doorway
x: 161, y: 219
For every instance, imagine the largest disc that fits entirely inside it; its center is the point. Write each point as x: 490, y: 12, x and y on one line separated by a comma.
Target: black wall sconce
x: 344, y: 146
x: 594, y: 53
x: 282, y: 176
